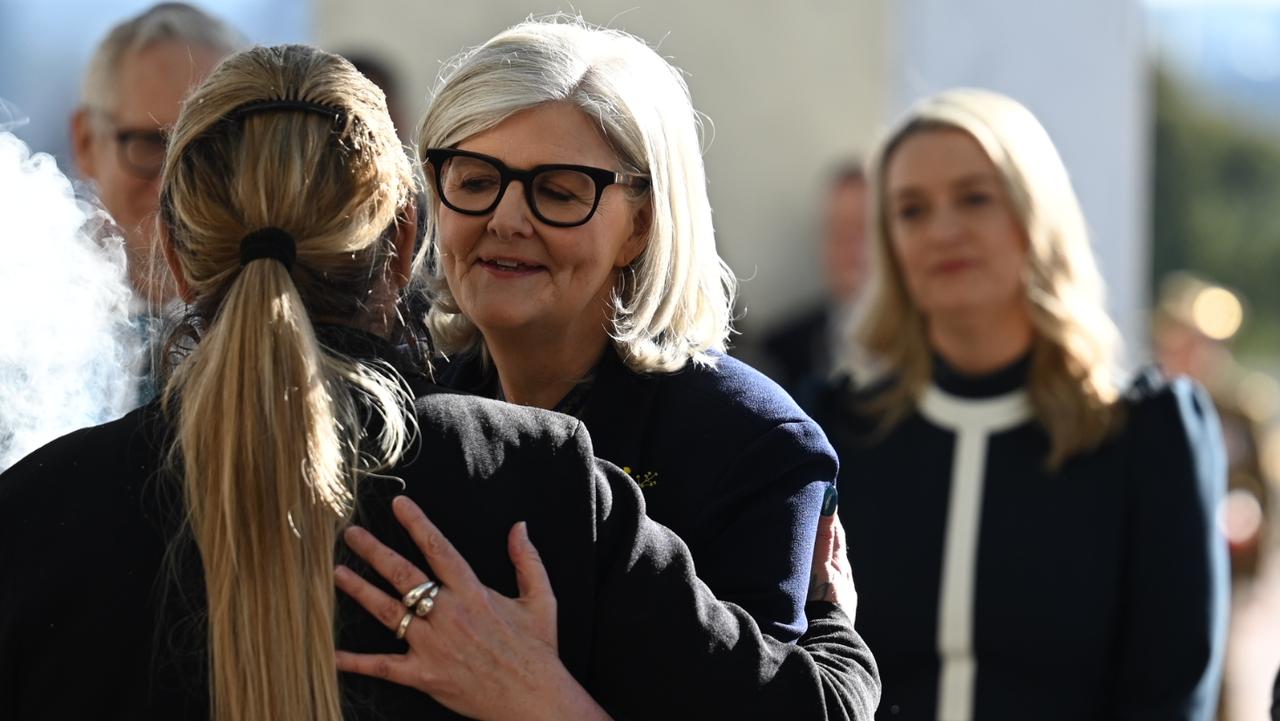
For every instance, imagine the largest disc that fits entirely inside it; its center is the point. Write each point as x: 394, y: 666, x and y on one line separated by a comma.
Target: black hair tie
x: 271, y: 243
x: 336, y: 115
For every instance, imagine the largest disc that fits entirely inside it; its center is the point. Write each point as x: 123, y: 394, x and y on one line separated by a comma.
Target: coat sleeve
x: 665, y: 647
x: 761, y: 524
x: 1174, y: 625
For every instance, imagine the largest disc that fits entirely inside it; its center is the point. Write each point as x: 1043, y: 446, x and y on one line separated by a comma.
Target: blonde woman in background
x: 179, y: 563
x: 1032, y: 540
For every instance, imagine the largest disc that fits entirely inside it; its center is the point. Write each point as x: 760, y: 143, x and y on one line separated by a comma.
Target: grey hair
x: 674, y: 304
x: 161, y: 22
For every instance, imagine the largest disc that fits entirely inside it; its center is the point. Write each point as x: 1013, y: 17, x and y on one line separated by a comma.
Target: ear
x: 175, y: 268
x: 406, y: 237
x: 82, y: 141
x: 641, y: 223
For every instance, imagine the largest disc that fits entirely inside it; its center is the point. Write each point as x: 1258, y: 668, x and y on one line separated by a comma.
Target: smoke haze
x: 68, y: 350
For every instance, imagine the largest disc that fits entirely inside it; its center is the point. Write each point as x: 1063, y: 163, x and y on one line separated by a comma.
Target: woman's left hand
x: 476, y: 651
x: 831, y: 578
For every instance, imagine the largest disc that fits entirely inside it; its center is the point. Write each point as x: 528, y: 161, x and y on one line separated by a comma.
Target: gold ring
x: 403, y: 628
x: 417, y: 592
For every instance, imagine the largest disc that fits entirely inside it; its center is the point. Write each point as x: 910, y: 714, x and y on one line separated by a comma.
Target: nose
x: 946, y: 226
x: 512, y: 218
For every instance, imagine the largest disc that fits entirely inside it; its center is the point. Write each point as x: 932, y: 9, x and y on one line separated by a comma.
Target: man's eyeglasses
x: 558, y: 195
x: 141, y: 151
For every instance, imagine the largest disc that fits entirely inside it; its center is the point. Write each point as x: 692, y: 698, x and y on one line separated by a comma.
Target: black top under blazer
x: 992, y: 588
x: 724, y: 458
x: 94, y: 624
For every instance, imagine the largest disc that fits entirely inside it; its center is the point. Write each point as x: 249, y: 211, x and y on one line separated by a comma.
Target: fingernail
x: 830, y: 500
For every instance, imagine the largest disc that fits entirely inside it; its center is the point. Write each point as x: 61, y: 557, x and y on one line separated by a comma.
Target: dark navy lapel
x: 617, y: 410
x: 618, y: 413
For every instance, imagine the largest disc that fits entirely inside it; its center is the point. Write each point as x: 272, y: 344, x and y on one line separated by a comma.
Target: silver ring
x: 424, y: 606
x: 403, y: 628
x: 416, y: 593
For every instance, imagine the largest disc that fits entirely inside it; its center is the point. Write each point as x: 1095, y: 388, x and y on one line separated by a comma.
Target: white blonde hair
x: 163, y: 22
x: 1073, y: 377
x: 674, y: 303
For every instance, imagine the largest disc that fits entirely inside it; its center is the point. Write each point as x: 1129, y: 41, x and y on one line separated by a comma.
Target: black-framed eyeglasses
x: 140, y: 150
x: 559, y: 195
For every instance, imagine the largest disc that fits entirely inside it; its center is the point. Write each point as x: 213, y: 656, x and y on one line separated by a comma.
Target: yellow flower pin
x: 648, y: 479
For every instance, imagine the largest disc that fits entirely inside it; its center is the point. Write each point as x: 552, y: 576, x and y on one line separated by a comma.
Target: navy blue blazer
x: 724, y: 458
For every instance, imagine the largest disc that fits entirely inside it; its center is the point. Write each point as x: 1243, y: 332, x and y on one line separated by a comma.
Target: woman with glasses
x: 1032, y: 539
x: 576, y: 270
x: 179, y: 563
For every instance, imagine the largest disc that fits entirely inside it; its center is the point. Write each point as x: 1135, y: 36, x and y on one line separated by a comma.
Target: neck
x: 977, y: 343
x: 378, y: 320
x: 537, y: 372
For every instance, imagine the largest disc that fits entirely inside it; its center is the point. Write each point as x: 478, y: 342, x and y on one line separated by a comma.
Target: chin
x: 961, y: 302
x: 500, y: 321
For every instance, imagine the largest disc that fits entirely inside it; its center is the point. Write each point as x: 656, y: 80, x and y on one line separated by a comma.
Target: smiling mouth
x: 508, y: 265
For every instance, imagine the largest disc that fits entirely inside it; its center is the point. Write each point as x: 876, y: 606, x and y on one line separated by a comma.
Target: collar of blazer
x: 620, y: 415
x: 618, y: 411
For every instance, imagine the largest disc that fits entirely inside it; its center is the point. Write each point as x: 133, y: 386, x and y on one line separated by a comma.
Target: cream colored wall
x: 789, y: 87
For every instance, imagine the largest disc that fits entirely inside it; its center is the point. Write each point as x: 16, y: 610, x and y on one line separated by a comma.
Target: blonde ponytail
x: 268, y: 489
x: 269, y: 435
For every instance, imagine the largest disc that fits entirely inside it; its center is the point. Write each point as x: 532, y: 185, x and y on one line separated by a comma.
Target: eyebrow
x: 961, y: 182
x: 974, y: 179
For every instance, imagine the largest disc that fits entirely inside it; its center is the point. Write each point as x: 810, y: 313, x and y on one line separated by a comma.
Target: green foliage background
x: 1217, y: 205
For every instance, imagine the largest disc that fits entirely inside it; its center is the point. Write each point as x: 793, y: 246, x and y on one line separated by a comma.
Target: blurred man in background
x: 803, y: 350
x: 136, y: 79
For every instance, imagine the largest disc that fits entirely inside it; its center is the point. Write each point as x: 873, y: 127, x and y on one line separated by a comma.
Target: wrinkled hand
x: 831, y: 578
x: 477, y: 652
